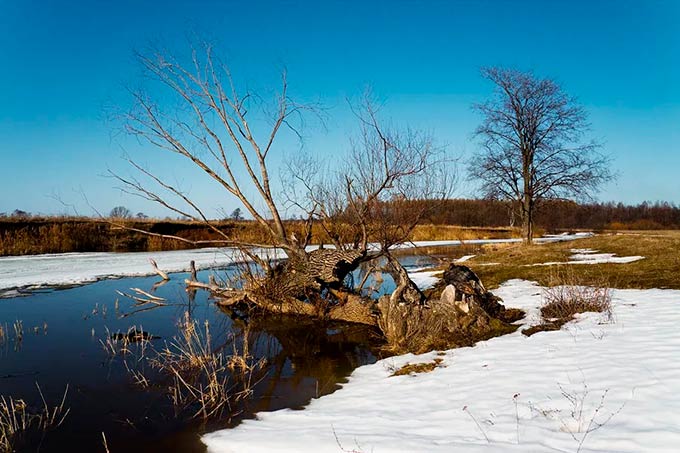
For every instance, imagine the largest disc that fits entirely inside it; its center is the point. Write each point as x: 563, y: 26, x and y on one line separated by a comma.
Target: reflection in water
x: 304, y: 360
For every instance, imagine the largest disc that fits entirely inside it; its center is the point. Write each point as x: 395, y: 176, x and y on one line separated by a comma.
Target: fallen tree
x: 363, y: 208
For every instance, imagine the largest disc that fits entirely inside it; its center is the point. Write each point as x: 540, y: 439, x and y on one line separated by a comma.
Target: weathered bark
x: 458, y: 311
x: 468, y: 286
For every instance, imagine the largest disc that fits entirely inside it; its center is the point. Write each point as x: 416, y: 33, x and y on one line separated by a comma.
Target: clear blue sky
x: 62, y: 62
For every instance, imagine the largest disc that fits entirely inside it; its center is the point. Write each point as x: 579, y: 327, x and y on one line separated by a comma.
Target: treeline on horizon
x: 24, y: 234
x: 554, y: 215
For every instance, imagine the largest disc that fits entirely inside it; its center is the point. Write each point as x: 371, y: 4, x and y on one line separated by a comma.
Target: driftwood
x: 162, y: 274
x: 213, y: 286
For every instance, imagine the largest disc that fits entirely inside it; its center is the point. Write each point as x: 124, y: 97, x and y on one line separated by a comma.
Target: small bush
x: 567, y: 297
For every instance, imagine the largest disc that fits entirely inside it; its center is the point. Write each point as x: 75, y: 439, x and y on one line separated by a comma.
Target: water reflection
x: 304, y: 360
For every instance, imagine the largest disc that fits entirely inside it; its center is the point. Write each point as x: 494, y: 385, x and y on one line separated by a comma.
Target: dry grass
x: 16, y: 419
x: 432, y: 232
x: 659, y: 269
x: 563, y: 302
x: 417, y: 368
x: 26, y: 236
x: 409, y: 328
x: 566, y: 296
x: 199, y: 379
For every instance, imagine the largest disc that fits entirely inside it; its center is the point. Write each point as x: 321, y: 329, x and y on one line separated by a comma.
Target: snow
x: 546, y: 393
x: 590, y: 256
x: 465, y: 258
x: 77, y: 268
x: 424, y: 279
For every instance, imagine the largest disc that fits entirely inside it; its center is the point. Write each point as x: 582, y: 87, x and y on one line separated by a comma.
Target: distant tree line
x: 551, y: 215
x: 558, y: 214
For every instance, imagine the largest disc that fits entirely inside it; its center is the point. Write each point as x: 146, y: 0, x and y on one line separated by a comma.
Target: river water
x: 63, y: 332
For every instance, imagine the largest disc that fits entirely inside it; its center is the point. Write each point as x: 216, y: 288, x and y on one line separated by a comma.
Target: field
x: 659, y: 269
x: 511, y: 393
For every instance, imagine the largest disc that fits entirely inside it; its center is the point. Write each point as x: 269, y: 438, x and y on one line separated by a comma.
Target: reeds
x: 16, y: 419
x: 200, y: 380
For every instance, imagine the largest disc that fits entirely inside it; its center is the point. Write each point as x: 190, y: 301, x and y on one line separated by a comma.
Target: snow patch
x: 507, y: 394
x: 590, y: 256
x: 425, y: 279
x: 465, y: 258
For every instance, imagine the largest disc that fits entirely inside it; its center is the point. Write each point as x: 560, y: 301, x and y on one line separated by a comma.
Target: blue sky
x: 63, y: 63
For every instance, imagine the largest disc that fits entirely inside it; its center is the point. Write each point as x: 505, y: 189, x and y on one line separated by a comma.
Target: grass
x: 430, y: 232
x: 659, y: 269
x: 28, y: 236
x: 566, y: 296
x: 439, y: 326
x: 417, y: 368
x: 200, y: 379
x: 17, y: 420
x: 563, y: 302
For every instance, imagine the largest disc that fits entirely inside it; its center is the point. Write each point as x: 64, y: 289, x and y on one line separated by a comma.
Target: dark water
x: 61, y: 346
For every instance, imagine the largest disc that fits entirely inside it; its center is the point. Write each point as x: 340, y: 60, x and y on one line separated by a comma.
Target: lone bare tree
x: 120, y: 212
x: 532, y: 145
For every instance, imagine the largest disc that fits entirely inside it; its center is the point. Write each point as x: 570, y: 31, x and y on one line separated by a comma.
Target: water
x: 61, y: 345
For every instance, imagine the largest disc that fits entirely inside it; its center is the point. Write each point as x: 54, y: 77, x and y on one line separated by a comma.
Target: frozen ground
x: 77, y: 268
x: 597, y: 385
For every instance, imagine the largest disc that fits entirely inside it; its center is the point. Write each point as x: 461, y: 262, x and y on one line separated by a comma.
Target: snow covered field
x: 597, y: 385
x: 77, y: 268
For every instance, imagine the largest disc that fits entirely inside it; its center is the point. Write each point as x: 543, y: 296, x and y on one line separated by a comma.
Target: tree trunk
x: 528, y: 219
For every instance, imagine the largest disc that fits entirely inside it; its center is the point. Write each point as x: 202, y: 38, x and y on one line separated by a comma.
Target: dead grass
x: 563, y: 302
x: 17, y: 420
x: 199, y: 379
x: 659, y: 269
x: 430, y: 232
x: 566, y: 296
x: 409, y: 328
x: 417, y: 368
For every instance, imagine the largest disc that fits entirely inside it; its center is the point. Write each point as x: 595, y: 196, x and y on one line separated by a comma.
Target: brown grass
x: 430, y: 232
x: 417, y: 368
x: 199, y: 379
x: 566, y: 296
x: 563, y: 302
x: 27, y: 236
x: 16, y: 420
x: 659, y: 269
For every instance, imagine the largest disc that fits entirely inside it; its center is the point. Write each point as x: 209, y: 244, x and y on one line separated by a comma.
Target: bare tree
x: 236, y: 214
x: 532, y: 145
x: 220, y: 129
x: 120, y: 212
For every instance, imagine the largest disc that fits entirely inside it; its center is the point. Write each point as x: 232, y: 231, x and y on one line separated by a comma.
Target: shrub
x: 566, y: 296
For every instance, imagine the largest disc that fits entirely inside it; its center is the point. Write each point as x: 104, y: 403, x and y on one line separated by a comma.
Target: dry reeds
x: 16, y: 419
x: 199, y: 379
